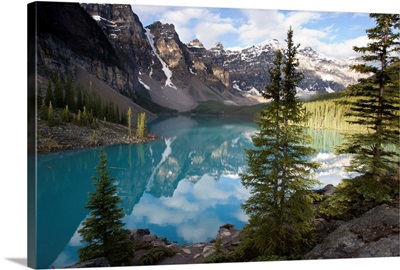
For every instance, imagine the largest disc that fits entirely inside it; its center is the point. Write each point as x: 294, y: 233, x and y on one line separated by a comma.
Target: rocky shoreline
x: 70, y: 136
x: 228, y: 238
x: 374, y: 234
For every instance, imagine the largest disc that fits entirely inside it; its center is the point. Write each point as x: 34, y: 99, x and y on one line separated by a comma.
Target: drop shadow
x: 20, y: 261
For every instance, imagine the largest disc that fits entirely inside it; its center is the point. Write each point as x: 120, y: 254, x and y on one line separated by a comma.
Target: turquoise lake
x: 182, y: 186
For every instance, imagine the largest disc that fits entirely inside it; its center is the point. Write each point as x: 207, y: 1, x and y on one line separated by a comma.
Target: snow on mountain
x: 248, y: 68
x: 144, y: 85
x: 209, y: 74
x: 331, y: 71
x: 249, y: 54
x: 167, y: 71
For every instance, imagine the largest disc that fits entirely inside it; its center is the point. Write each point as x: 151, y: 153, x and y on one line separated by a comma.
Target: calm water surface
x: 182, y: 186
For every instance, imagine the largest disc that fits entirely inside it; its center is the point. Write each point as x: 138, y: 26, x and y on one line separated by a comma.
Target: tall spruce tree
x: 141, y: 126
x: 58, y: 92
x: 129, y: 115
x: 69, y: 98
x: 279, y: 176
x: 49, y: 92
x: 102, y: 231
x: 374, y: 104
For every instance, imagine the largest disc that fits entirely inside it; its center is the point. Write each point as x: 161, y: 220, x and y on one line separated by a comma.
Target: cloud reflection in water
x: 194, y: 207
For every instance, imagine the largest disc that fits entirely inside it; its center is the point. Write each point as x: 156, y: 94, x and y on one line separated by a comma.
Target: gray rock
x: 176, y: 259
x: 159, y: 243
x: 186, y: 250
x: 174, y: 246
x: 138, y: 234
x: 197, y: 256
x: 149, y: 238
x: 375, y: 234
x: 208, y: 250
x: 99, y: 262
x: 329, y: 189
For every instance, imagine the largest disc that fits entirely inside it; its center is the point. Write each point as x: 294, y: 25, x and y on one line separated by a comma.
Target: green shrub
x: 356, y: 196
x: 142, y: 246
x: 155, y: 255
x: 221, y: 258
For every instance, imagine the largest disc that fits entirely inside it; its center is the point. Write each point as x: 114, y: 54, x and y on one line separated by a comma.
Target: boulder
x: 138, y: 234
x: 208, y: 250
x: 149, y: 238
x: 324, y: 228
x: 229, y: 236
x: 374, y: 234
x: 327, y: 190
x: 159, y: 243
x: 99, y: 262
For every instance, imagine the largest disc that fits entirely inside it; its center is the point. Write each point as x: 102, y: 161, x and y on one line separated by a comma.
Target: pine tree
x: 69, y: 93
x: 51, y: 120
x: 66, y: 114
x: 79, y: 98
x: 129, y: 115
x: 49, y: 92
x: 79, y: 118
x: 58, y: 92
x: 279, y: 176
x: 43, y: 110
x: 103, y: 230
x: 141, y: 129
x: 85, y: 117
x: 376, y: 105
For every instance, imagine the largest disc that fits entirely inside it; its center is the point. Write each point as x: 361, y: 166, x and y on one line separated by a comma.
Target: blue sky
x: 331, y: 33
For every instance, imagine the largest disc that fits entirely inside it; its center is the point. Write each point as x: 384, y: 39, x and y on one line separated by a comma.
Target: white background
x: 13, y: 121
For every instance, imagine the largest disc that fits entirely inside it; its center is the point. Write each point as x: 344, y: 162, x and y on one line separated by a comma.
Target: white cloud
x: 209, y: 38
x: 181, y: 17
x: 299, y: 18
x: 261, y: 25
x: 148, y: 13
x: 247, y: 27
x: 343, y: 49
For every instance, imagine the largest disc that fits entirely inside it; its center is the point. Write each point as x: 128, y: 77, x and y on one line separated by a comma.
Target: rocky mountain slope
x: 171, y: 75
x: 70, y: 41
x: 152, y: 67
x: 248, y: 68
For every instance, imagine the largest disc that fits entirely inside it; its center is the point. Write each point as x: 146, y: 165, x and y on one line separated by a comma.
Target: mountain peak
x: 195, y: 43
x: 219, y: 46
x: 164, y: 26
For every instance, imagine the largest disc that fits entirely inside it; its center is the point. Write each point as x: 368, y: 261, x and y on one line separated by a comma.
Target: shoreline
x: 72, y: 137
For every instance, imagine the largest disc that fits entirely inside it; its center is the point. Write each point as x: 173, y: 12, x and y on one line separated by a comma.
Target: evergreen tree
x: 69, y: 93
x: 279, y: 176
x: 43, y: 110
x: 102, y: 231
x: 85, y: 117
x: 51, y: 120
x: 79, y: 98
x: 49, y: 92
x: 79, y: 118
x: 129, y: 115
x: 89, y: 101
x: 141, y: 129
x: 66, y: 114
x: 58, y: 92
x: 376, y: 103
